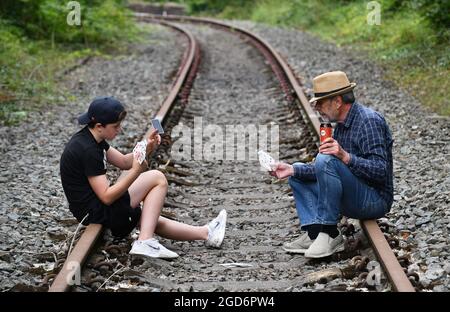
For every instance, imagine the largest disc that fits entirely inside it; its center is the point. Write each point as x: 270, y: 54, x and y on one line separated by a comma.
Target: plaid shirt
x: 365, y: 135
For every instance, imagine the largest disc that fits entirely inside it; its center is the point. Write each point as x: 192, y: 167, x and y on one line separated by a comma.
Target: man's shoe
x: 300, y: 245
x: 151, y: 248
x: 216, y: 230
x: 324, y: 246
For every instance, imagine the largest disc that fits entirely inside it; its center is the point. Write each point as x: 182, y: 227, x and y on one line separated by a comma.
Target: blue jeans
x: 336, y: 191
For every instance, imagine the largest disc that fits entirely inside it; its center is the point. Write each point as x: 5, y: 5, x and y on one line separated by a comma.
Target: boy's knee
x: 162, y: 222
x: 162, y: 180
x: 158, y: 176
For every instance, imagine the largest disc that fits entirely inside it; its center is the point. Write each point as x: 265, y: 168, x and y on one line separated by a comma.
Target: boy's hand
x: 153, y: 140
x: 139, y: 167
x: 282, y: 170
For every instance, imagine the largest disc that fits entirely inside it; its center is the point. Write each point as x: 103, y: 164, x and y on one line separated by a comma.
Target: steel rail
x: 71, y: 270
x: 385, y: 255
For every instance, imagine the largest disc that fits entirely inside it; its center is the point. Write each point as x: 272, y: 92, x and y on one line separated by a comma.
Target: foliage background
x: 412, y: 43
x: 37, y: 44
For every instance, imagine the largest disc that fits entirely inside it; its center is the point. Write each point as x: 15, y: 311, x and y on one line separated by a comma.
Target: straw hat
x: 330, y: 84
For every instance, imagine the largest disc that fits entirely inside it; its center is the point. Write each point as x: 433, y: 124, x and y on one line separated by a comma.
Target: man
x: 352, y: 174
x: 93, y: 200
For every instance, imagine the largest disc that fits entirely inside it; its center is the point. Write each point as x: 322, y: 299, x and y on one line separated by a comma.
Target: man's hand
x: 331, y: 147
x: 282, y: 170
x: 153, y: 140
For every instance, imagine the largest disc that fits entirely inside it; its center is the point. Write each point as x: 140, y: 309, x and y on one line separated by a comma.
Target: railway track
x: 261, y: 210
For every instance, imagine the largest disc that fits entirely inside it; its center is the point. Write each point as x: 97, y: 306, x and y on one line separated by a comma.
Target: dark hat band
x: 330, y: 92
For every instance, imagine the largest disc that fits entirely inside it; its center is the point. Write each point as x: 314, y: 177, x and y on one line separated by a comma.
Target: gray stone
x: 422, y: 220
x: 13, y: 216
x: 432, y: 240
x: 435, y: 253
x: 4, y: 266
x: 440, y: 288
x: 434, y: 271
x: 447, y: 267
x: 56, y: 233
x: 5, y: 256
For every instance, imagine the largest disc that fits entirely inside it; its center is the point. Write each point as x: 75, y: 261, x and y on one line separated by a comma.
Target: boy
x: 93, y: 200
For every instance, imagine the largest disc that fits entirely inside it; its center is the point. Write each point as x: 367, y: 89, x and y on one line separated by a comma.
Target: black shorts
x: 120, y: 217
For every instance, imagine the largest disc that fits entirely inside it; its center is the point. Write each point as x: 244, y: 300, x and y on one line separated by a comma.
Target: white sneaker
x: 151, y: 248
x: 216, y: 230
x: 324, y: 246
x: 300, y: 245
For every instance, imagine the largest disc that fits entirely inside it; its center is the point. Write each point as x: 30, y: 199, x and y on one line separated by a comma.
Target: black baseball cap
x: 103, y: 109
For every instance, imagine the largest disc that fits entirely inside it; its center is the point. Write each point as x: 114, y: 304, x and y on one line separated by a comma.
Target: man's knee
x: 293, y: 182
x: 324, y: 161
x: 296, y: 184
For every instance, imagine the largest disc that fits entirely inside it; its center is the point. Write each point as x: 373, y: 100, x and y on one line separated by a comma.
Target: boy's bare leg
x: 151, y: 187
x: 179, y: 231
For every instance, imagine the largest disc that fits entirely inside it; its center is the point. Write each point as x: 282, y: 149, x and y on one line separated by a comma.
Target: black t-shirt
x: 82, y: 157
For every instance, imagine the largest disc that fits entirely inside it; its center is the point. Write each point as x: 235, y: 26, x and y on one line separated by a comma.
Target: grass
x: 405, y: 45
x: 30, y: 71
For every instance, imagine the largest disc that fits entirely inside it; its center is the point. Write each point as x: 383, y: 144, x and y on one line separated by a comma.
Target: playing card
x: 266, y: 161
x: 157, y: 125
x: 139, y: 151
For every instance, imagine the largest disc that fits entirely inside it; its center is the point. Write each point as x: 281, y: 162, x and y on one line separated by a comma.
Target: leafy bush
x: 36, y: 43
x: 436, y: 12
x: 216, y: 6
x: 101, y: 21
